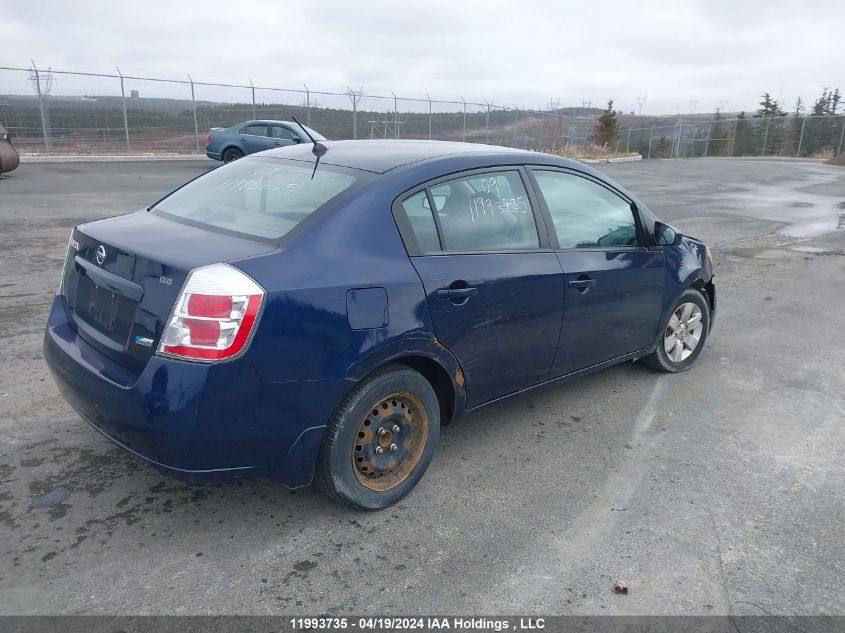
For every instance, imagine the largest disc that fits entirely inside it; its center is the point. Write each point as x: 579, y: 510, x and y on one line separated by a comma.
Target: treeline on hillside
x: 770, y: 131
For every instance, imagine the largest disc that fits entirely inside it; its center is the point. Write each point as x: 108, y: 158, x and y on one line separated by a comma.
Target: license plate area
x: 106, y: 311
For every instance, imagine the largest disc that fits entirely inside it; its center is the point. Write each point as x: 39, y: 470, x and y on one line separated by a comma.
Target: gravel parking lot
x: 716, y: 491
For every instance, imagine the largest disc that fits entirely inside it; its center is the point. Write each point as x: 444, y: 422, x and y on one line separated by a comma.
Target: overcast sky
x: 511, y: 53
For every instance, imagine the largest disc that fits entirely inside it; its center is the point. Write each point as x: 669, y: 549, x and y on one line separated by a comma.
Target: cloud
x: 506, y: 52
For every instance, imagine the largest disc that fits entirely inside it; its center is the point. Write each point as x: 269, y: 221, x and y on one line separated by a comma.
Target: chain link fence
x: 72, y: 113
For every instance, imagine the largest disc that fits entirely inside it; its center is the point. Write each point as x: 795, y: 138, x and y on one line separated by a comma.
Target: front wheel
x: 380, y: 440
x: 683, y: 334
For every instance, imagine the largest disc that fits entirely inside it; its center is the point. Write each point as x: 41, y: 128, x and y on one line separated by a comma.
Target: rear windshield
x: 259, y: 197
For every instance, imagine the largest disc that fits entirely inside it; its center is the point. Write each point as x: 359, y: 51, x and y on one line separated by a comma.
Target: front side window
x: 485, y: 212
x: 255, y: 130
x: 260, y: 197
x: 278, y: 131
x: 585, y: 214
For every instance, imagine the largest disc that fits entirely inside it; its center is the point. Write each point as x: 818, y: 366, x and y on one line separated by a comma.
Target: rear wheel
x: 380, y: 440
x: 232, y: 153
x: 683, y: 334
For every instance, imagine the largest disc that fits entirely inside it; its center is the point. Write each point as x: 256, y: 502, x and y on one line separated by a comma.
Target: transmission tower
x: 640, y: 101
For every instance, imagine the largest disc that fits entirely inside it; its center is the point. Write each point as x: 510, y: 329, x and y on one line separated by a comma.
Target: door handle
x: 583, y: 283
x: 455, y: 294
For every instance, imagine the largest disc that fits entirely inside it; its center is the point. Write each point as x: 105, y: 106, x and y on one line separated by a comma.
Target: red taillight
x: 203, y: 332
x: 208, y: 138
x: 214, y: 315
x: 215, y: 306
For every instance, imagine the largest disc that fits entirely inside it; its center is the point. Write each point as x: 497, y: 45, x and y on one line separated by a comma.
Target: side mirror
x: 665, y: 235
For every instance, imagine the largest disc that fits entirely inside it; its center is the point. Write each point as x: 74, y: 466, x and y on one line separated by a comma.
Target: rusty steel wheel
x: 380, y: 439
x: 390, y: 441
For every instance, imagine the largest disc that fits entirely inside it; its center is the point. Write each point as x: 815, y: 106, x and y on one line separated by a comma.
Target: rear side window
x: 255, y: 130
x: 485, y: 212
x: 422, y: 223
x: 258, y: 197
x: 585, y: 214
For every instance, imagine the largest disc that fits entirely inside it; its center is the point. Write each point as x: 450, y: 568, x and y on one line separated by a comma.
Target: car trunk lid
x: 123, y: 275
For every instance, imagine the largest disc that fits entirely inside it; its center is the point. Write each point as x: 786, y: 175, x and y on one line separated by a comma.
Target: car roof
x: 265, y: 122
x: 381, y: 155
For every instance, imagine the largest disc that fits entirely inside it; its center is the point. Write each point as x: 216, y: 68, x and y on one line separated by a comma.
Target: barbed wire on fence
x: 97, y: 117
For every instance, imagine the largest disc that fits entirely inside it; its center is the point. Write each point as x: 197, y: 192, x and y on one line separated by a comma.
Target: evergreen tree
x: 743, y: 137
x: 769, y: 107
x: 821, y: 134
x: 821, y: 107
x: 606, y: 130
x: 799, y: 107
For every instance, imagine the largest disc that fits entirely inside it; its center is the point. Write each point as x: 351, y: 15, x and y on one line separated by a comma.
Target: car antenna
x: 318, y: 149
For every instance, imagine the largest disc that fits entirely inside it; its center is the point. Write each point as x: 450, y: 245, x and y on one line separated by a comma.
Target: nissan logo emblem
x: 101, y: 255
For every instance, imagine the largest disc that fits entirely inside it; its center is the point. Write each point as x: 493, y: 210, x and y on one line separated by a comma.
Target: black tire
x: 338, y: 474
x: 659, y: 359
x: 232, y: 153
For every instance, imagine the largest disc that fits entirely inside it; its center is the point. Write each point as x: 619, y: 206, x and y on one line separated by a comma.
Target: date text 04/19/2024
x: 419, y: 623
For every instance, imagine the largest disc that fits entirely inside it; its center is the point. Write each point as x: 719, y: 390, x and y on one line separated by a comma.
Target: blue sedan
x: 318, y: 312
x: 249, y: 137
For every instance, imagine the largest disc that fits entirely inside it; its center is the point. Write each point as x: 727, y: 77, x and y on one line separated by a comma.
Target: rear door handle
x: 582, y: 283
x: 455, y: 293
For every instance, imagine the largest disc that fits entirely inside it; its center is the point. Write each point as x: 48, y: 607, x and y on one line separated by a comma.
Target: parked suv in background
x: 232, y: 143
x: 9, y: 159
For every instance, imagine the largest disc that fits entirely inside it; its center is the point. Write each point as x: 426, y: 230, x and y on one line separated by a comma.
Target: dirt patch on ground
x: 836, y: 160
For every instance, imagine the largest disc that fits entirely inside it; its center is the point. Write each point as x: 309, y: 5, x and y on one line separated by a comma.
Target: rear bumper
x: 213, y: 155
x: 194, y: 421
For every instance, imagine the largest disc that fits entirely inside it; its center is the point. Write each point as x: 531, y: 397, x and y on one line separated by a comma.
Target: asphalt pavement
x: 720, y: 490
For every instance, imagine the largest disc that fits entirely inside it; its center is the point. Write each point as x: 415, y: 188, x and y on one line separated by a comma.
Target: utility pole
x: 487, y: 124
x: 123, y: 99
x: 43, y: 91
x: 801, y: 138
x: 395, y: 115
x: 766, y: 136
x: 194, y: 104
x: 252, y: 87
x: 650, y: 135
x: 429, y: 115
x: 733, y: 138
x: 307, y: 105
x: 464, y: 133
x: 355, y: 97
